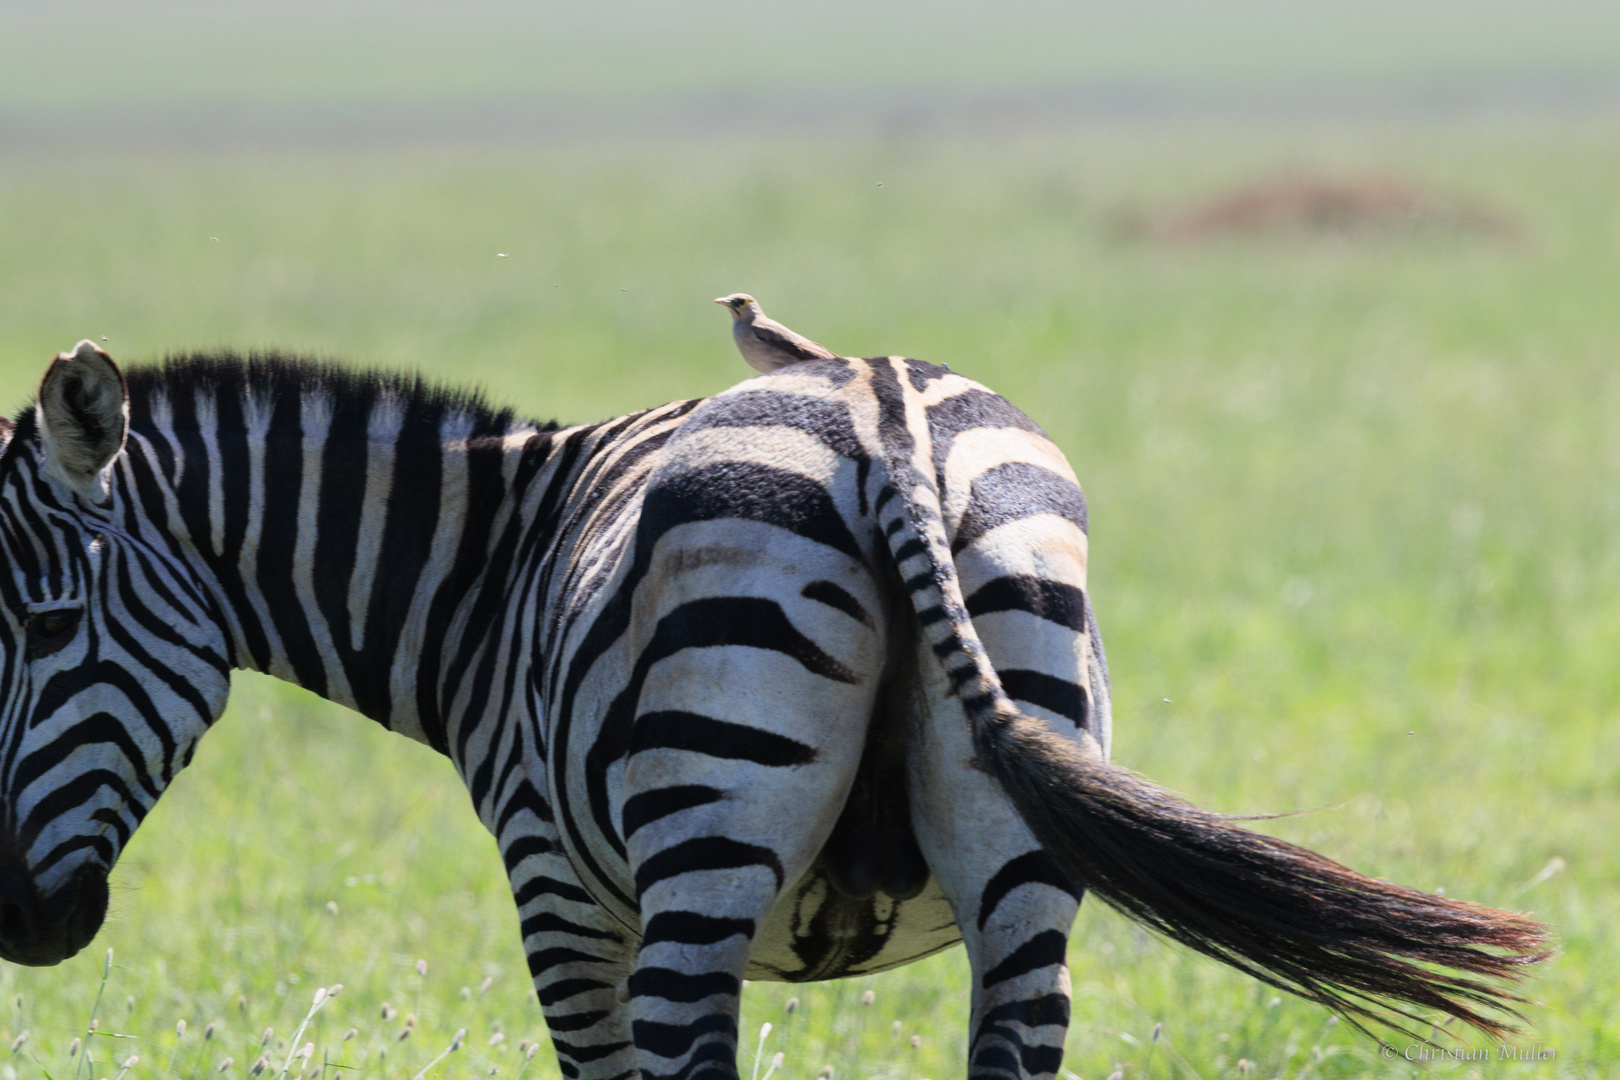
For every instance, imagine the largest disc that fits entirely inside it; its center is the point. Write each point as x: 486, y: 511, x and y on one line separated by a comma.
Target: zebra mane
x: 269, y: 375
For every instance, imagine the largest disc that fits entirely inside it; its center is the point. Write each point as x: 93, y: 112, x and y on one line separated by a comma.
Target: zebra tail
x: 1370, y: 950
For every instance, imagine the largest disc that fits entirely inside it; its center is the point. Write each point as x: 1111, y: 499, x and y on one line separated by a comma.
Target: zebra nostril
x: 13, y: 922
x: 19, y: 908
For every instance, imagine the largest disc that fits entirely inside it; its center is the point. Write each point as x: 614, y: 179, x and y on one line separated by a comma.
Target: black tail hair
x: 1278, y: 911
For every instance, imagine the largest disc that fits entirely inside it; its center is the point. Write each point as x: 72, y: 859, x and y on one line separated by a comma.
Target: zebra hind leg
x: 707, y: 885
x: 1024, y: 584
x: 1012, y: 905
x: 703, y: 901
x: 723, y: 815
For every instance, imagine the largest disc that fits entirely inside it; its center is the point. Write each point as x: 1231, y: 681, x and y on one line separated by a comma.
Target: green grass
x: 1355, y: 506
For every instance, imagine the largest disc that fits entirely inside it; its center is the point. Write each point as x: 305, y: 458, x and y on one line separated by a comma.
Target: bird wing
x: 777, y: 336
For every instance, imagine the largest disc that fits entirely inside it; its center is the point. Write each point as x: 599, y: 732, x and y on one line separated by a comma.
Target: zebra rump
x: 1279, y: 912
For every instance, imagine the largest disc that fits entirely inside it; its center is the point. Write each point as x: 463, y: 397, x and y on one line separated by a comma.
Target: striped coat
x: 797, y: 682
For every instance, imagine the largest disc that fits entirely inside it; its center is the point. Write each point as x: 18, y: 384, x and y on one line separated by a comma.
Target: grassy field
x: 1355, y: 502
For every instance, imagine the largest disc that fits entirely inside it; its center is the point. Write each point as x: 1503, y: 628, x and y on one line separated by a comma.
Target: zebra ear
x: 83, y: 417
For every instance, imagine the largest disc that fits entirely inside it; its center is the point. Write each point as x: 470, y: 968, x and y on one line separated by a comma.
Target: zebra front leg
x: 579, y: 958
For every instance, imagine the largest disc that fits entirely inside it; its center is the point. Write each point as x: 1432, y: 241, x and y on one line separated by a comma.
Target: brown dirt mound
x: 1314, y: 205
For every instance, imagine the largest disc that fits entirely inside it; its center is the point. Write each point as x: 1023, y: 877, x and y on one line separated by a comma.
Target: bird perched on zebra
x: 798, y: 682
x: 765, y: 343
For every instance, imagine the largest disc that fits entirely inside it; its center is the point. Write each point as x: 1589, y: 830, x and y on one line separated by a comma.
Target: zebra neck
x: 349, y: 539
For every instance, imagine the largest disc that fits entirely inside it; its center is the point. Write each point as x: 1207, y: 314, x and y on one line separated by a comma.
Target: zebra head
x: 109, y: 669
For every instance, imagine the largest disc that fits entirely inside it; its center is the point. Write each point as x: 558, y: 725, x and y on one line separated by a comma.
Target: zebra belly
x: 816, y: 932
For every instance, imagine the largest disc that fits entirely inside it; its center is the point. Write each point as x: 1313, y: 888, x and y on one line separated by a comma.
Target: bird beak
x: 719, y: 299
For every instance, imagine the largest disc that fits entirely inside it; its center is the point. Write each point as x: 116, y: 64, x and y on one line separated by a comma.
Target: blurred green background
x: 1319, y: 298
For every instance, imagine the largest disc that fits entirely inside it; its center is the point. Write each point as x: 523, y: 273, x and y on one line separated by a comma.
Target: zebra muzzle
x: 40, y: 931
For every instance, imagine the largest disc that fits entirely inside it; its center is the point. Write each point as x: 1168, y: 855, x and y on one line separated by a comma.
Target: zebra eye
x: 48, y: 631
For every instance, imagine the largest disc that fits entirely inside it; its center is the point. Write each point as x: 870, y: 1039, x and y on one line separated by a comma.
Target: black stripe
x: 1044, y: 1011
x: 678, y: 986
x: 673, y: 1040
x: 918, y: 582
x: 1053, y: 601
x: 605, y: 630
x: 1044, y: 949
x: 1041, y: 1060
x: 717, y: 1059
x: 646, y: 807
x: 1013, y: 491
x: 693, y: 928
x: 826, y: 418
x: 1061, y: 696
x: 546, y: 959
x: 523, y: 797
x: 583, y: 1054
x: 676, y: 730
x: 1035, y: 867
x: 576, y: 1021
x: 548, y: 922
x: 911, y: 549
x: 339, y: 505
x: 535, y: 888
x: 920, y: 373
x: 746, y: 491
x: 524, y: 846
x: 567, y: 988
x: 970, y: 411
x: 834, y: 596
x: 705, y: 853
x: 997, y: 1059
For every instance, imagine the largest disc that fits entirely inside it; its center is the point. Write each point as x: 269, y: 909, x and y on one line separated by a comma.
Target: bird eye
x: 49, y: 631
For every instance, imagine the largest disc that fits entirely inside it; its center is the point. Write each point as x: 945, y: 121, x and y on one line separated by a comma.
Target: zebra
x: 797, y: 682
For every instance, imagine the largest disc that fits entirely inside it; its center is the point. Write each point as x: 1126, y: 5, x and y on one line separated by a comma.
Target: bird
x: 766, y: 344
